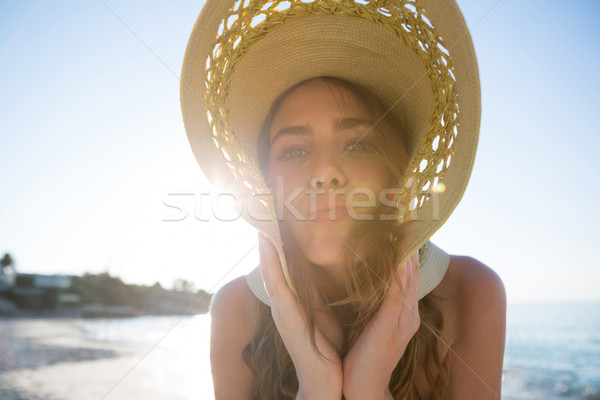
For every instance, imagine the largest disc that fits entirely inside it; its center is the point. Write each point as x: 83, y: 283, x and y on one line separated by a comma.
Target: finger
x: 410, y: 320
x: 277, y: 284
x: 412, y: 281
x: 411, y: 294
x: 264, y: 273
x: 413, y: 287
x: 402, y: 293
x: 272, y: 265
x: 399, y: 280
x: 415, y: 258
x: 393, y: 303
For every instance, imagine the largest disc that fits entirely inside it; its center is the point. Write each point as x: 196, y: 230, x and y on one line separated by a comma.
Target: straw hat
x: 416, y: 55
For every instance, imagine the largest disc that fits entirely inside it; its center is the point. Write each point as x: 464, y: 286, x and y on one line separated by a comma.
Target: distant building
x: 42, y: 291
x: 44, y: 281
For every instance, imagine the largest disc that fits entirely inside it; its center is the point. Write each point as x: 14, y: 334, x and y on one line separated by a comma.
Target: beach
x: 104, y: 359
x: 552, y: 352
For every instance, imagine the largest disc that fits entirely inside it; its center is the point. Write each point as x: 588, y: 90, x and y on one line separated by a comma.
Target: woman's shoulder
x: 236, y: 304
x: 471, y: 294
x: 234, y: 319
x: 473, y: 306
x: 474, y: 282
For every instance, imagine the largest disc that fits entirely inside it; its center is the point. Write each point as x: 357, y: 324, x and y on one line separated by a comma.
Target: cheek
x: 290, y: 173
x: 287, y: 181
x: 371, y: 174
x: 292, y: 185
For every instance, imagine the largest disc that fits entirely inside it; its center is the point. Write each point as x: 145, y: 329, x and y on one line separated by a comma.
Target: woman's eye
x: 357, y: 145
x: 292, y: 153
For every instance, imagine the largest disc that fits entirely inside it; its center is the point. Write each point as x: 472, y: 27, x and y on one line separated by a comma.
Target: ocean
x: 552, y: 352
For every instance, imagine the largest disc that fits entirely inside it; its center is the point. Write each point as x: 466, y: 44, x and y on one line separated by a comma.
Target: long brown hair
x: 376, y: 241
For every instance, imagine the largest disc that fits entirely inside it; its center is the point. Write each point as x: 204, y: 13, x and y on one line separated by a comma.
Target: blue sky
x: 92, y: 142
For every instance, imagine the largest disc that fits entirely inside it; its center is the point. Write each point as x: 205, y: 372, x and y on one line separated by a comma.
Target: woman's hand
x: 318, y: 377
x: 368, y: 366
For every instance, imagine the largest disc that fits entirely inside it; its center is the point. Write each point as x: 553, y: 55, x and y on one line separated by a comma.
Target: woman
x: 352, y: 309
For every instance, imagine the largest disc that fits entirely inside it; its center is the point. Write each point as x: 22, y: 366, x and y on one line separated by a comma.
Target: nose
x: 327, y: 173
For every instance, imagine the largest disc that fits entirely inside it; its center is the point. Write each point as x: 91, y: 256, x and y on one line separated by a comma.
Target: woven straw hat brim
x: 223, y: 124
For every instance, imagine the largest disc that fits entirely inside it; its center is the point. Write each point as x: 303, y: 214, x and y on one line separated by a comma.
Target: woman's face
x: 318, y: 167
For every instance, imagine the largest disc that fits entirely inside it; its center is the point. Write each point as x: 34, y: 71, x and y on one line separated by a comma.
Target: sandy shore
x: 52, y: 359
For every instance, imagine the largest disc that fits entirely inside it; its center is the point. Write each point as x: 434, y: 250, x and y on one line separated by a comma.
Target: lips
x: 326, y: 204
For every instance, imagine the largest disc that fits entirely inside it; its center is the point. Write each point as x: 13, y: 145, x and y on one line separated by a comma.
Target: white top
x: 433, y: 265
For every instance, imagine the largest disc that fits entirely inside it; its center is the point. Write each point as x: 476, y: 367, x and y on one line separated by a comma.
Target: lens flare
x: 439, y: 188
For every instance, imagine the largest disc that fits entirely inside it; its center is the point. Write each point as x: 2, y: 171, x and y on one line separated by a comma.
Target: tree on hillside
x: 8, y: 274
x: 7, y: 261
x: 183, y: 285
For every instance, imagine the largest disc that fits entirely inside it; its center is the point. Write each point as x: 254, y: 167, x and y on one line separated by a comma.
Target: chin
x: 322, y: 245
x: 327, y: 256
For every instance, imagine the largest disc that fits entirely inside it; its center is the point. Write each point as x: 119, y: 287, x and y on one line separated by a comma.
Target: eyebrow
x: 338, y: 125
